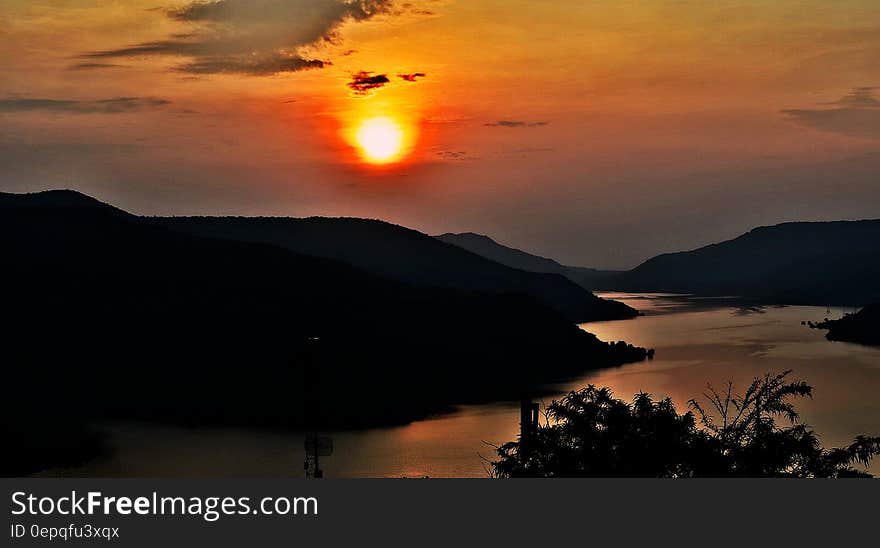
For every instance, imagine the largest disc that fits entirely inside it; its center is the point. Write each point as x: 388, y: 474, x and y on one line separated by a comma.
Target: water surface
x: 697, y: 341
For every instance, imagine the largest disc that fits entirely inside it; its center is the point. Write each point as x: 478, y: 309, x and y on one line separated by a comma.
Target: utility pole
x: 315, y: 445
x: 312, y: 406
x: 528, y: 420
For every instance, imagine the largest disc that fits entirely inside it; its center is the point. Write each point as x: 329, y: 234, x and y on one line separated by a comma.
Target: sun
x: 380, y: 139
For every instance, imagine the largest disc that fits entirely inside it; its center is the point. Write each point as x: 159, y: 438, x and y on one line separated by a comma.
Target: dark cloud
x: 515, y: 123
x: 362, y: 83
x: 455, y: 155
x: 93, y: 66
x: 446, y: 120
x: 203, y: 11
x: 858, y: 115
x: 858, y: 98
x: 255, y: 66
x: 415, y: 10
x: 411, y: 77
x: 254, y: 37
x: 160, y: 47
x: 102, y: 106
x: 205, y: 62
x: 268, y: 10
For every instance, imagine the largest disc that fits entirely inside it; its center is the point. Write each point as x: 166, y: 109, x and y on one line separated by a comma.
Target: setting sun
x: 380, y: 140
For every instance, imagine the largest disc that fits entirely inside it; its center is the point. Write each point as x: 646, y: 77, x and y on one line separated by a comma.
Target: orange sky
x: 599, y: 133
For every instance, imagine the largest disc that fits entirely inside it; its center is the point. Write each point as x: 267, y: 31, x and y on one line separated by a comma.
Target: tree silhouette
x: 590, y: 433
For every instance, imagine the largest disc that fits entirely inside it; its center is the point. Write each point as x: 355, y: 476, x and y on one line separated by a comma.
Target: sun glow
x: 381, y: 140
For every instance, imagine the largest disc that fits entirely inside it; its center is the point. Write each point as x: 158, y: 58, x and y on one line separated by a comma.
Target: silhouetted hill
x: 405, y: 255
x: 107, y: 315
x: 587, y: 278
x: 862, y: 327
x: 67, y: 199
x: 799, y: 263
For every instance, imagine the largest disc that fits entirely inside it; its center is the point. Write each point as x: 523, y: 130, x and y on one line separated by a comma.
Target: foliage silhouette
x: 590, y: 433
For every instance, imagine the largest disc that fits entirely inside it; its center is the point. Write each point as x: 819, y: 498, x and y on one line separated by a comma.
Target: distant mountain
x: 485, y: 246
x: 862, y: 327
x: 106, y: 315
x: 798, y: 263
x: 405, y: 255
x: 62, y: 199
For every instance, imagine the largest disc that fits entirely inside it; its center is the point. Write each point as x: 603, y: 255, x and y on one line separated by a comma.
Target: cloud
x: 858, y: 98
x: 256, y: 66
x: 411, y: 77
x: 115, y: 105
x: 858, y: 115
x: 93, y: 66
x: 254, y: 37
x: 408, y: 6
x: 455, y: 155
x: 364, y: 82
x: 515, y: 123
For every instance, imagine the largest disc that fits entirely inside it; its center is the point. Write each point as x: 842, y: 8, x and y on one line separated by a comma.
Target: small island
x: 861, y: 327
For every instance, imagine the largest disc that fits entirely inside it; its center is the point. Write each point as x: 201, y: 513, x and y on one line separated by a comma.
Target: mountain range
x: 588, y: 278
x: 818, y: 263
x: 405, y: 255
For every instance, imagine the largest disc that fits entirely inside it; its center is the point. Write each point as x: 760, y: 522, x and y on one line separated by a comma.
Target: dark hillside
x: 405, y: 255
x: 107, y: 315
x: 799, y: 263
x: 588, y: 278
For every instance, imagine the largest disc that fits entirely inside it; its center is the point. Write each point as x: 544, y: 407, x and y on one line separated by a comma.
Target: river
x: 696, y: 340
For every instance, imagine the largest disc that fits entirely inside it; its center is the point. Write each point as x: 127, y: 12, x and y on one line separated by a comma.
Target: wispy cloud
x: 515, y: 123
x: 254, y: 37
x: 457, y: 155
x: 94, y: 66
x: 862, y: 97
x: 265, y: 65
x: 115, y: 105
x: 858, y: 115
x: 412, y: 77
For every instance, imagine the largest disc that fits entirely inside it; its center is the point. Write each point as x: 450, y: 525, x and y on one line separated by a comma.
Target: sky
x: 597, y: 133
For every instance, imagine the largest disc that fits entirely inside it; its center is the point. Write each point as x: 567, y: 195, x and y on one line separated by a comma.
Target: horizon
x: 536, y: 253
x: 599, y: 135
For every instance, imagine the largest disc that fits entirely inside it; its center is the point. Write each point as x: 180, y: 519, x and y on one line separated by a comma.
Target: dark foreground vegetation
x: 106, y: 315
x: 862, y: 327
x: 755, y: 434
